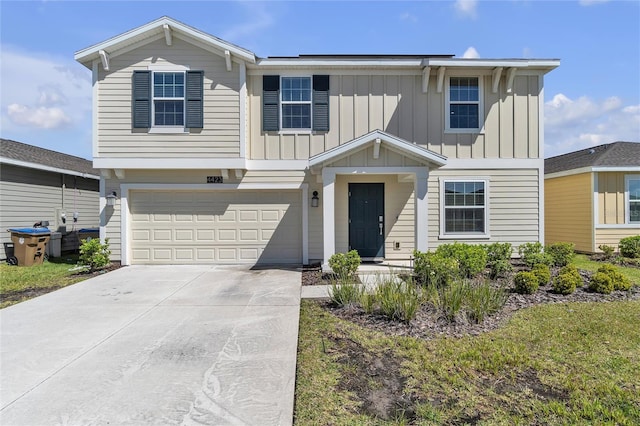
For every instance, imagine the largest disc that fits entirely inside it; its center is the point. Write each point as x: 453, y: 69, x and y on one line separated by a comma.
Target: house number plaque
x: 214, y: 179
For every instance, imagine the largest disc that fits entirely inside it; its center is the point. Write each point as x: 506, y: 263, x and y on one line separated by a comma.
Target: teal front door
x: 366, y: 219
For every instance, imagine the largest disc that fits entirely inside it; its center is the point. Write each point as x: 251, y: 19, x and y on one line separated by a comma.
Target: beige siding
x: 612, y: 236
x: 611, y: 207
x: 221, y: 133
x: 28, y: 196
x: 568, y: 210
x: 397, y: 105
x: 513, y: 205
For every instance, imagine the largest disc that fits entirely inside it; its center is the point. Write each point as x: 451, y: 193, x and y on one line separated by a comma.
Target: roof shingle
x: 616, y: 154
x: 46, y: 157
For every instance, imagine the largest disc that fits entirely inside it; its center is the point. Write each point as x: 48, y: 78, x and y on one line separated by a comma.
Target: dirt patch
x: 375, y: 379
x: 525, y: 381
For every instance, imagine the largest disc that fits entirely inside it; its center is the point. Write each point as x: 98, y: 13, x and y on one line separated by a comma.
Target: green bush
x: 498, y: 259
x: 435, y: 269
x: 482, y: 300
x: 398, y: 300
x: 601, y: 283
x: 526, y: 282
x: 630, y: 247
x: 566, y: 282
x: 607, y: 251
x: 532, y: 254
x: 345, y: 265
x: 452, y: 299
x: 620, y: 282
x: 542, y: 272
x: 561, y: 253
x: 345, y: 293
x: 472, y: 258
x: 94, y: 254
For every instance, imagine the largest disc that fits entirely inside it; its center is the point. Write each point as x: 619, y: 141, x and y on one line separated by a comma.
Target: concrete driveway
x: 154, y: 344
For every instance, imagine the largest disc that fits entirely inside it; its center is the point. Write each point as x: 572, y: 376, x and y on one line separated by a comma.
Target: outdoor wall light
x: 314, y: 199
x: 111, y: 199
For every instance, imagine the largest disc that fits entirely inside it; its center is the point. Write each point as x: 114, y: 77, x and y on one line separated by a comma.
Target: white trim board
x: 589, y: 169
x: 38, y: 166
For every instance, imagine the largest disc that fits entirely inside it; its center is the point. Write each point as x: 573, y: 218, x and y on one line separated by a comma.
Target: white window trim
x: 627, y: 199
x: 302, y: 130
x: 168, y: 129
x: 447, y: 113
x: 465, y: 236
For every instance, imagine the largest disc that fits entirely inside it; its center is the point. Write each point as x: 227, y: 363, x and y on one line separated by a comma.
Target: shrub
x: 601, y: 283
x: 452, y: 298
x: 567, y: 282
x: 397, y: 299
x: 345, y: 265
x: 620, y: 282
x: 526, y: 282
x: 498, y: 259
x: 435, y: 269
x: 561, y: 253
x: 94, y: 254
x: 607, y: 251
x: 472, y: 258
x: 482, y: 300
x: 630, y: 247
x: 532, y: 254
x: 542, y: 272
x: 345, y: 293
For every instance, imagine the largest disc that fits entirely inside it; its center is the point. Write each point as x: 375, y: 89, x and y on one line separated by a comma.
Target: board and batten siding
x: 611, y: 201
x: 513, y: 205
x: 568, y: 210
x: 30, y: 195
x: 396, y: 104
x: 220, y: 135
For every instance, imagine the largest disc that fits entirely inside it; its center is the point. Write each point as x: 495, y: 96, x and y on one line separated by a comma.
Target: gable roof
x: 22, y: 154
x: 616, y: 154
x: 161, y: 27
x: 393, y: 142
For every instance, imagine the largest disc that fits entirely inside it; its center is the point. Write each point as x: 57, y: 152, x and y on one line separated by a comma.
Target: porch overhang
x: 377, y: 138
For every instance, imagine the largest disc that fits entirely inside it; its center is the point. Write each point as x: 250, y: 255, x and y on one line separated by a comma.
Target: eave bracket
x: 167, y: 34
x: 104, y: 57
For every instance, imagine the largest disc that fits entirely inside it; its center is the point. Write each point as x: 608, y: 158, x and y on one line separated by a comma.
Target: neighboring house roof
x: 616, y: 154
x: 377, y: 137
x: 22, y: 154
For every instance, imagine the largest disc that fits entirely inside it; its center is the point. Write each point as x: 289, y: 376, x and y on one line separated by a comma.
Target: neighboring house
x: 38, y: 184
x: 592, y: 196
x: 217, y: 155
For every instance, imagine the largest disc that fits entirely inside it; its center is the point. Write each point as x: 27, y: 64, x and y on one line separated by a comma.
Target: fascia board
x: 391, y: 63
x: 43, y: 167
x: 483, y: 63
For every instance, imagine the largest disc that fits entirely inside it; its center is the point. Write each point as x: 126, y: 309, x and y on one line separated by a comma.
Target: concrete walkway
x: 154, y: 344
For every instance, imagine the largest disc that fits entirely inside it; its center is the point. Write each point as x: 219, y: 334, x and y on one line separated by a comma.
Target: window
x: 296, y: 102
x: 465, y: 207
x: 633, y: 198
x: 464, y: 104
x: 168, y: 99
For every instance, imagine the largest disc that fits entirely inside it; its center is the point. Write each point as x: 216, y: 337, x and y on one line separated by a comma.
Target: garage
x: 173, y: 227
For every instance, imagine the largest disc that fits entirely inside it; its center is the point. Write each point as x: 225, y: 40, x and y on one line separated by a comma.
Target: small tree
x: 93, y: 254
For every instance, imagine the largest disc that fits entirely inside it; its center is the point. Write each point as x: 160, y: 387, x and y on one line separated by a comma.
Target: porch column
x: 328, y: 214
x: 421, y: 210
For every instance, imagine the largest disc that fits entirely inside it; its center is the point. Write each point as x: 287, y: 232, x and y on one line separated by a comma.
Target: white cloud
x: 43, y: 92
x: 471, y: 53
x: 592, y: 2
x: 406, y: 16
x: 466, y: 8
x: 258, y: 19
x: 41, y: 117
x: 571, y: 124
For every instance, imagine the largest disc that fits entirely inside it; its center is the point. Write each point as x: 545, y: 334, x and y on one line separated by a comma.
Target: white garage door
x: 215, y: 226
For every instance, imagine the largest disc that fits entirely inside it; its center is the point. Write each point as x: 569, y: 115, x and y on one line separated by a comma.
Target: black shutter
x: 194, y: 99
x: 321, y: 103
x: 141, y: 108
x: 270, y: 103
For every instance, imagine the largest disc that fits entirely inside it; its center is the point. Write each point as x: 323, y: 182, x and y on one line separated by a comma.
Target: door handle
x: 380, y: 226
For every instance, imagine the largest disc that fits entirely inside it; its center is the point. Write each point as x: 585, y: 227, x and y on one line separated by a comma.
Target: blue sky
x: 591, y: 99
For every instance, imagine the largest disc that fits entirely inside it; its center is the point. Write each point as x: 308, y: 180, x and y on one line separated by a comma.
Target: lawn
x: 22, y: 283
x: 573, y: 363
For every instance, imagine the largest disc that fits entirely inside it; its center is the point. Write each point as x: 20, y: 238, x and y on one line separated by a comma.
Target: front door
x: 366, y: 219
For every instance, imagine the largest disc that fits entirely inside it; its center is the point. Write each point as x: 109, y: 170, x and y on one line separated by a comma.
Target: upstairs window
x: 168, y: 99
x: 464, y: 106
x: 296, y: 102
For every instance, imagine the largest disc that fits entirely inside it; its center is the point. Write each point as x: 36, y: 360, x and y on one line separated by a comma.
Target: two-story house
x: 212, y: 154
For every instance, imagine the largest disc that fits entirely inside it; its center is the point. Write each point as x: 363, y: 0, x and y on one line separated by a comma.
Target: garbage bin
x: 54, y: 248
x: 29, y: 245
x: 88, y: 234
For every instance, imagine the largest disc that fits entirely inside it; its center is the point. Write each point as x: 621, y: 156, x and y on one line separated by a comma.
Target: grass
x: 582, y: 261
x: 552, y: 364
x: 22, y: 283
